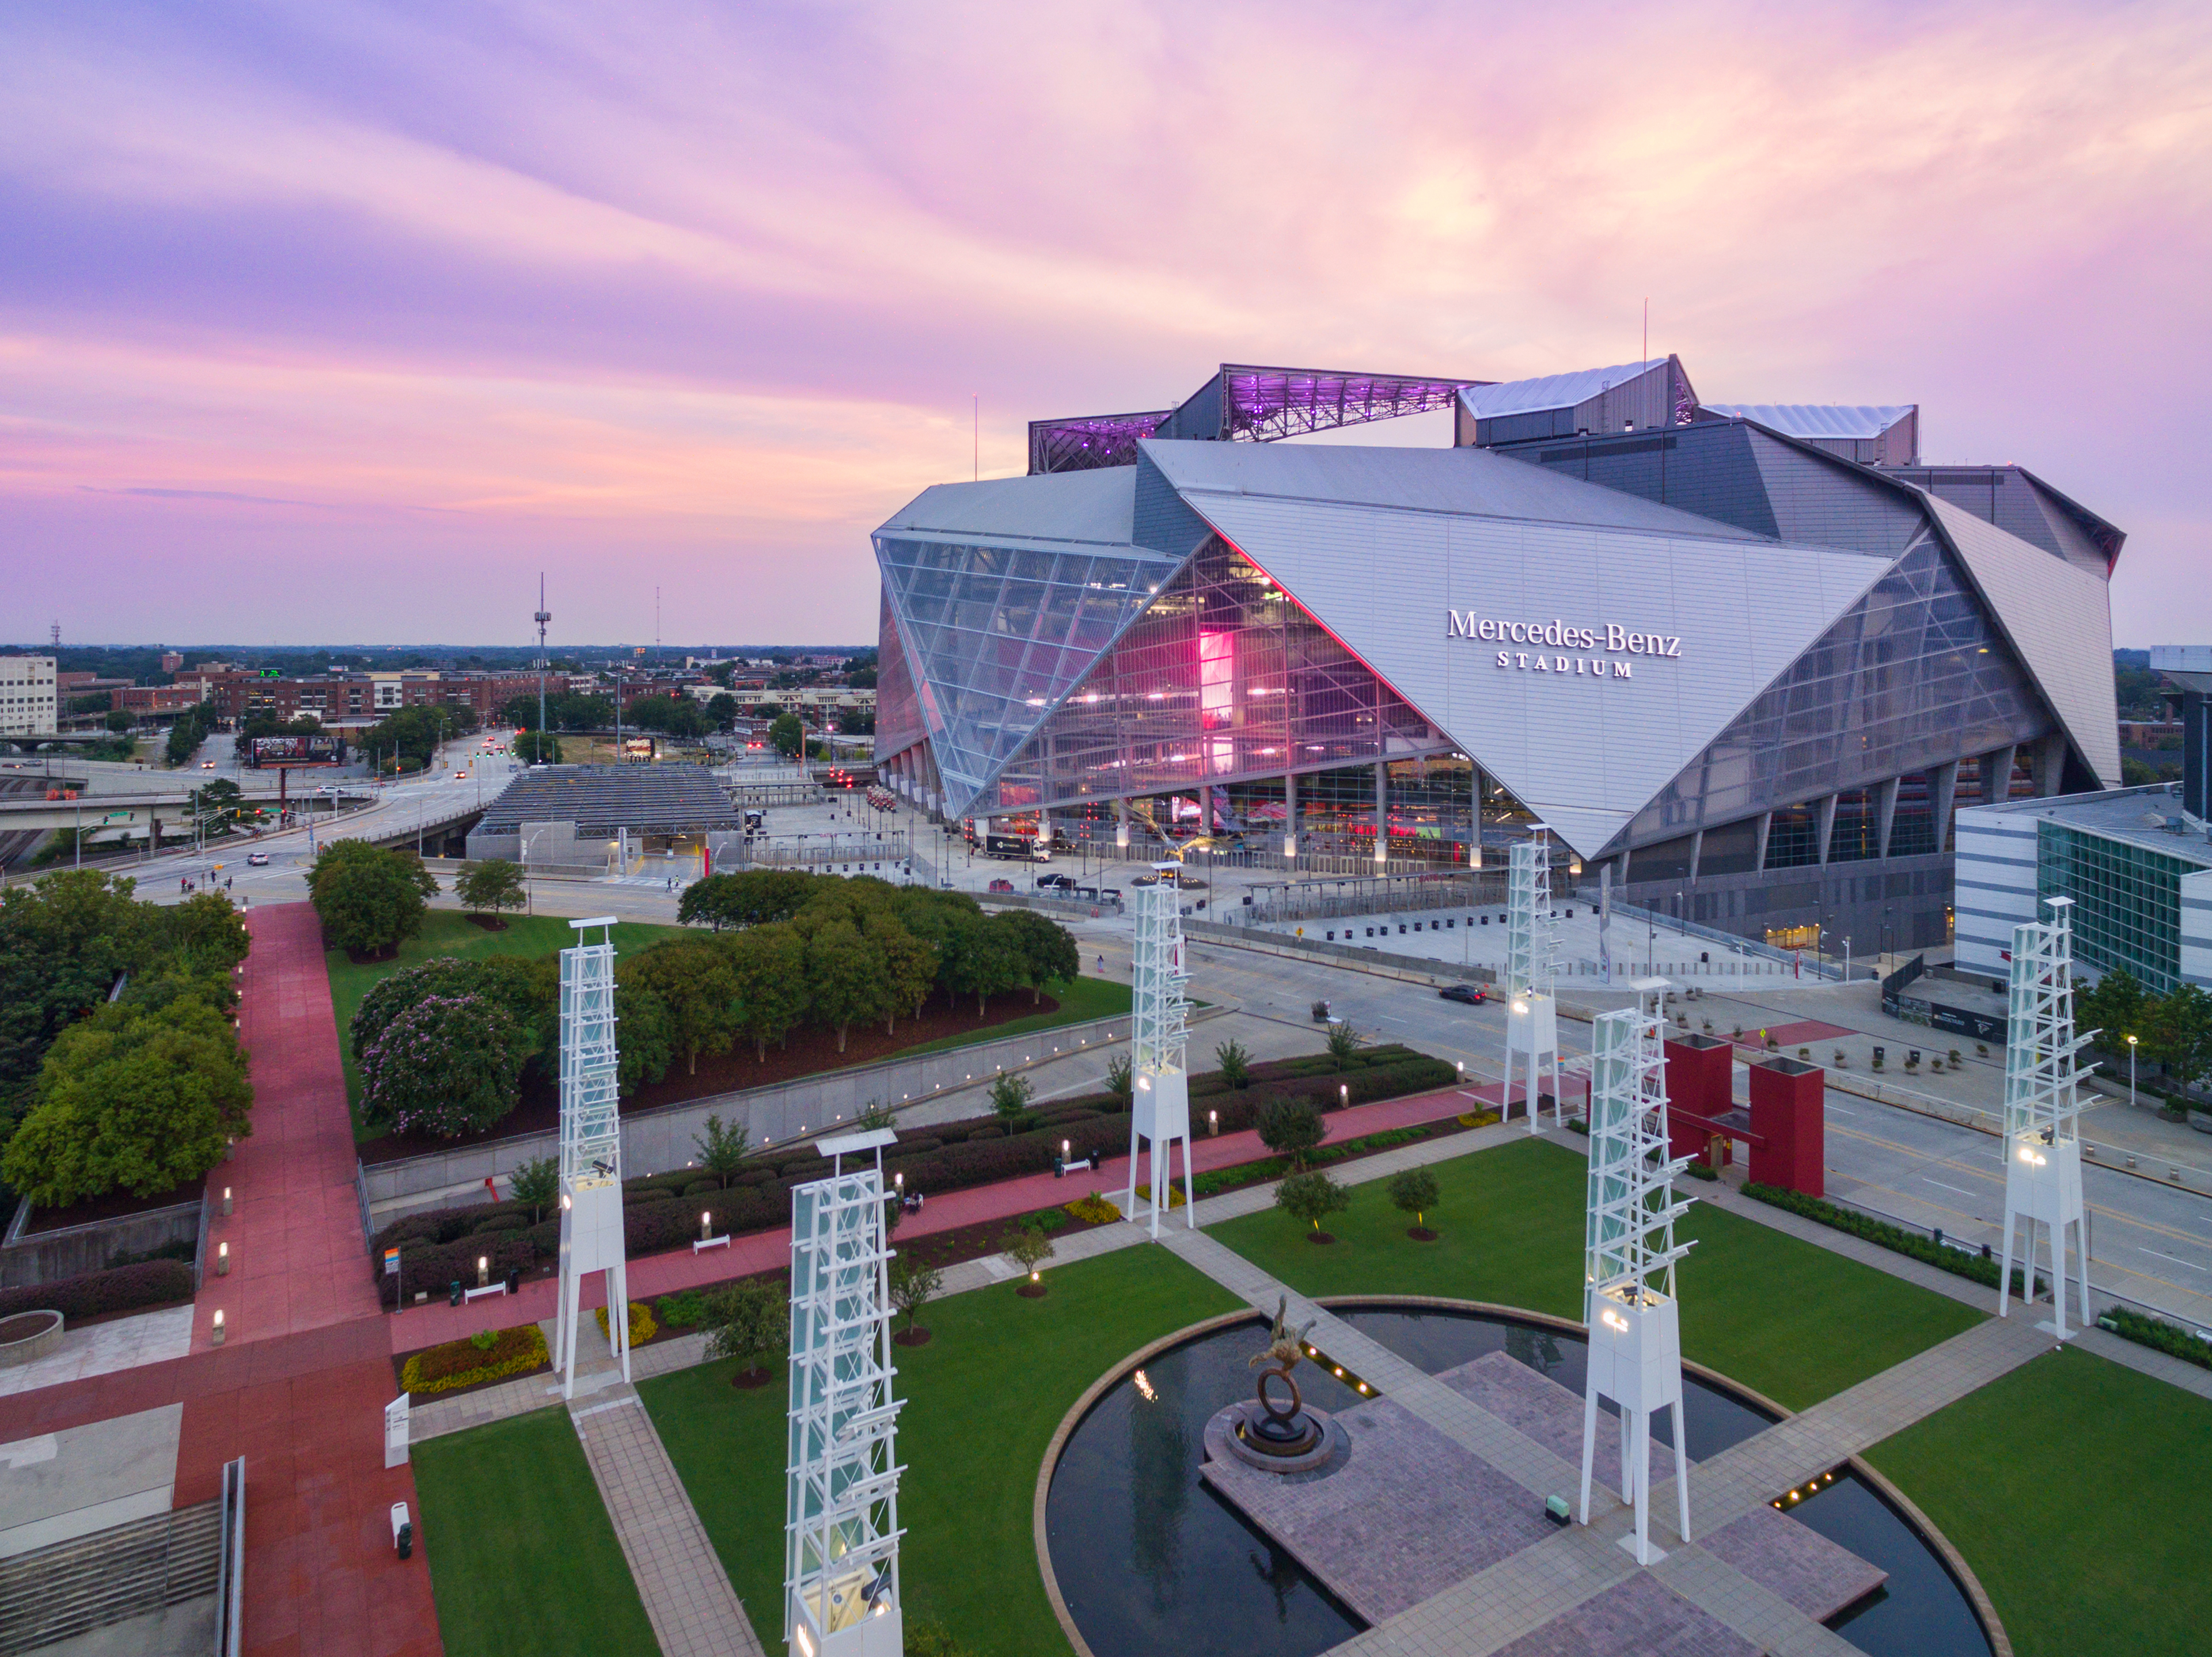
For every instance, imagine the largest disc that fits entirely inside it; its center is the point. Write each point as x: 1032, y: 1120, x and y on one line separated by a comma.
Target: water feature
x: 1150, y: 1559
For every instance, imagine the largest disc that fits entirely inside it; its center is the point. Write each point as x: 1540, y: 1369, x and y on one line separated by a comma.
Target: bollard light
x: 1213, y: 1121
x: 226, y: 1200
x: 222, y: 1259
x: 1063, y: 1150
x: 1343, y: 1093
x: 483, y: 1270
x: 898, y: 1181
x: 215, y: 1335
x: 706, y: 1224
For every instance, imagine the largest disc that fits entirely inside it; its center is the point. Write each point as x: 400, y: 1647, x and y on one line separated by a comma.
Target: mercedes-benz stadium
x: 1755, y: 656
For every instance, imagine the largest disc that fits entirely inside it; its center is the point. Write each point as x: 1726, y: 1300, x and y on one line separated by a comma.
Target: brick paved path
x: 693, y: 1610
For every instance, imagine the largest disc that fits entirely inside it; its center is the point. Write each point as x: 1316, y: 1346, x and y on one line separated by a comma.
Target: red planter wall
x: 1786, y: 1103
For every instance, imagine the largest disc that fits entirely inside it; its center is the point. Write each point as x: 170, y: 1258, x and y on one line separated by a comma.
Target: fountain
x: 1264, y: 1433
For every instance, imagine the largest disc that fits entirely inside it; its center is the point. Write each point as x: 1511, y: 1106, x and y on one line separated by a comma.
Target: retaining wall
x: 50, y: 1256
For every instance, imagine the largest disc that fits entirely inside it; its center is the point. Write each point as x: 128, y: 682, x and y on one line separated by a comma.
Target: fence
x: 1370, y: 893
x: 141, y: 1568
x: 1757, y: 948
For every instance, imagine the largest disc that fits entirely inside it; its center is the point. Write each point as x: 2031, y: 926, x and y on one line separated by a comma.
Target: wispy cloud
x: 694, y: 295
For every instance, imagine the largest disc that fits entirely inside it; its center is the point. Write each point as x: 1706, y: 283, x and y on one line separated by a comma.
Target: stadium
x: 1755, y: 656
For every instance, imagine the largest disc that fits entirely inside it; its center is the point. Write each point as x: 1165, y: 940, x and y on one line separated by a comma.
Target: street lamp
x: 2131, y: 1072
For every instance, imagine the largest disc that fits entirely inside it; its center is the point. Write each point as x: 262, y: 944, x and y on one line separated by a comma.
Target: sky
x: 338, y: 322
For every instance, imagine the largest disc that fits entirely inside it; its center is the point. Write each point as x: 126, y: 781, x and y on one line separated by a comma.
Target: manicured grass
x: 447, y: 931
x: 984, y: 1398
x: 522, y: 1558
x: 2075, y: 1490
x: 1794, y: 1321
x: 1081, y: 999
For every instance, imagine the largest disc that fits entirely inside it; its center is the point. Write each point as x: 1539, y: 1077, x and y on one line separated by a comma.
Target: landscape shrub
x: 1094, y: 1210
x: 1926, y: 1250
x: 704, y: 1188
x: 642, y: 1328
x: 683, y: 1308
x: 640, y: 1196
x: 122, y: 1289
x: 501, y: 1223
x: 2157, y: 1333
x: 464, y: 1363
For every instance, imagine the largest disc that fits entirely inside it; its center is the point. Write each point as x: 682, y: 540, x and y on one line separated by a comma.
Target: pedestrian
x: 1102, y: 966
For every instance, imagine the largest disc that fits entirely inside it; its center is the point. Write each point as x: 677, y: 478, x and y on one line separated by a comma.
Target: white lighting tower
x: 1628, y: 1275
x: 841, y: 1503
x: 1159, y: 1090
x: 2043, y: 1109
x: 591, y: 1149
x: 1532, y: 1018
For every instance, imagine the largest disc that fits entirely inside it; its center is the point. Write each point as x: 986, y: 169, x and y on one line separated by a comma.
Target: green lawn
x: 983, y: 1400
x: 522, y: 1558
x: 1081, y: 999
x: 2076, y: 1490
x: 1792, y: 1321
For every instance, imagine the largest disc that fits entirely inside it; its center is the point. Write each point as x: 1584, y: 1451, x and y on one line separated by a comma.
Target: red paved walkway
x: 767, y: 1251
x: 299, y: 1387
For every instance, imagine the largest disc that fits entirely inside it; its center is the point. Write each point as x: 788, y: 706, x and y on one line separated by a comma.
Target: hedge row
x: 1978, y: 1267
x: 464, y: 1363
x: 2158, y: 1334
x: 661, y: 1211
x: 124, y: 1289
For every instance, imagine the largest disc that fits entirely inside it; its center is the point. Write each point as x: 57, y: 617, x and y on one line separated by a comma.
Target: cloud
x: 684, y: 286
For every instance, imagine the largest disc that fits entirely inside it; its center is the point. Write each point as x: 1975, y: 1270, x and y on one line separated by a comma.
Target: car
x: 1472, y: 995
x: 1054, y: 882
x: 1002, y: 885
x: 257, y: 860
x: 207, y: 765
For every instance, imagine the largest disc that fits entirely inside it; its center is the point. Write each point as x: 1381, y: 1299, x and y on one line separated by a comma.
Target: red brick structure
x: 1701, y: 1090
x: 1788, y: 1129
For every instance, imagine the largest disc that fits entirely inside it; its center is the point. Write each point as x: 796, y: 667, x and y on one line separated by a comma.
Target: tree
x: 118, y: 720
x: 846, y: 983
x: 986, y: 961
x: 137, y: 1100
x: 1290, y: 1127
x: 368, y: 900
x: 2117, y: 1005
x: 768, y: 966
x: 1010, y: 1099
x: 722, y: 1149
x: 648, y: 1047
x: 1119, y: 1079
x: 1044, y: 950
x: 528, y: 990
x: 1344, y: 1044
x: 909, y: 964
x: 695, y: 980
x: 1312, y: 1198
x: 749, y: 1321
x: 1234, y: 1063
x: 537, y: 748
x: 913, y: 1284
x: 2180, y: 1034
x: 1028, y: 1247
x: 445, y: 1066
x: 63, y: 941
x: 1414, y: 1192
x: 788, y: 735
x: 536, y: 1182
x: 493, y: 884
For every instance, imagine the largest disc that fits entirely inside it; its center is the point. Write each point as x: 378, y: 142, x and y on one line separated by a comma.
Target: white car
x: 257, y: 860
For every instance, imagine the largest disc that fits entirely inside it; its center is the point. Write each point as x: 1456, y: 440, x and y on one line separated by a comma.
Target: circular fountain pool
x: 1148, y: 1557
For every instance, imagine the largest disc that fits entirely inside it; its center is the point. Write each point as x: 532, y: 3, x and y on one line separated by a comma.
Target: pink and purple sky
x: 337, y: 323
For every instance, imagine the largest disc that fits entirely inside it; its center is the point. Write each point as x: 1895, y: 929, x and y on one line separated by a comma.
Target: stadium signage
x: 1611, y: 638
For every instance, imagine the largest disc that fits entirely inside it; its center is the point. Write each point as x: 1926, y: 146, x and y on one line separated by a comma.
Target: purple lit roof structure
x: 1241, y: 403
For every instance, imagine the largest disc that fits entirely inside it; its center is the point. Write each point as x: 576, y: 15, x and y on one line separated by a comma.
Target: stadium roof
x: 1816, y: 419
x: 603, y: 799
x: 1551, y: 391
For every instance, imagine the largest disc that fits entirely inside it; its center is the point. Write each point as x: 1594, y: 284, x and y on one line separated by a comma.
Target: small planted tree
x: 1290, y: 1127
x: 1344, y: 1044
x: 1030, y: 1248
x: 721, y: 1149
x: 1414, y: 1192
x: 1235, y: 1064
x: 490, y: 886
x: 1010, y: 1099
x: 1119, y: 1079
x: 1312, y: 1198
x: 913, y: 1283
x: 536, y: 1182
x: 749, y: 1321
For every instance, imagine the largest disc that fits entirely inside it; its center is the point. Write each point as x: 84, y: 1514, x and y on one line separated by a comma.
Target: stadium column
x: 1121, y: 824
x: 1290, y: 814
x: 1206, y: 808
x: 1827, y: 808
x: 1943, y: 789
x: 1996, y: 775
x: 1382, y: 810
x: 2051, y: 766
x: 1759, y: 853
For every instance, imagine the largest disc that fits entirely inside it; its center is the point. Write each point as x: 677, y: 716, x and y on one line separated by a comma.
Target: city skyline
x: 343, y: 328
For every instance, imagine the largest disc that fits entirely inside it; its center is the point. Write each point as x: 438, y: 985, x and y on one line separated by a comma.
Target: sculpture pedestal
x: 1636, y: 1361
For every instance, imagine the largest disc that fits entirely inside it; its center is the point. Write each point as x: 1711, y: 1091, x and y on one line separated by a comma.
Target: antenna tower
x: 544, y: 615
x: 2043, y: 1109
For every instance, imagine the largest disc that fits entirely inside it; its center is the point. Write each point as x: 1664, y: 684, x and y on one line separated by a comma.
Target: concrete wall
x: 656, y: 1141
x: 48, y: 1257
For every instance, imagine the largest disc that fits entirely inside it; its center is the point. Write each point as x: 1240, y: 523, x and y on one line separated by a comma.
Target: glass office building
x: 1756, y: 673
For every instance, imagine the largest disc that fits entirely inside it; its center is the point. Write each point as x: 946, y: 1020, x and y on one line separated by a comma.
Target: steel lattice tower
x: 1531, y: 1023
x: 590, y: 1149
x: 841, y: 1509
x: 1630, y: 1251
x: 2043, y: 1109
x: 1158, y: 1023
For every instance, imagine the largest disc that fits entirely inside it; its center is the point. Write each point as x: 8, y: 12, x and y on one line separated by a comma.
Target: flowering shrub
x: 642, y: 1328
x: 466, y: 1363
x: 446, y: 1065
x: 1094, y: 1210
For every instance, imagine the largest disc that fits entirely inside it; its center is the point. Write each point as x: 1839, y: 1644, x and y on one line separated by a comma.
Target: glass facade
x: 1223, y: 678
x: 992, y: 636
x: 2127, y: 901
x: 1914, y: 676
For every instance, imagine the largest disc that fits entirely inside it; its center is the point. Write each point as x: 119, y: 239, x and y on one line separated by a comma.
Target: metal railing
x: 136, y: 1569
x: 230, y: 1564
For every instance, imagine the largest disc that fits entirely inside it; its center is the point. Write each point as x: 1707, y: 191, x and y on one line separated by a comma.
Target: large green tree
x: 493, y: 884
x: 695, y: 980
x: 846, y: 979
x: 769, y: 965
x: 446, y: 1065
x: 788, y: 735
x: 2117, y: 1005
x: 528, y: 991
x: 64, y: 940
x: 134, y: 1098
x: 368, y: 899
x: 2180, y: 1034
x: 1044, y: 948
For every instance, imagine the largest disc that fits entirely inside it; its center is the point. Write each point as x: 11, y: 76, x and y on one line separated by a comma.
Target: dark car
x: 1473, y: 994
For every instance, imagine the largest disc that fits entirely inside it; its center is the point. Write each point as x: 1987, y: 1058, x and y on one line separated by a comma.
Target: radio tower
x: 2043, y: 1110
x: 544, y: 615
